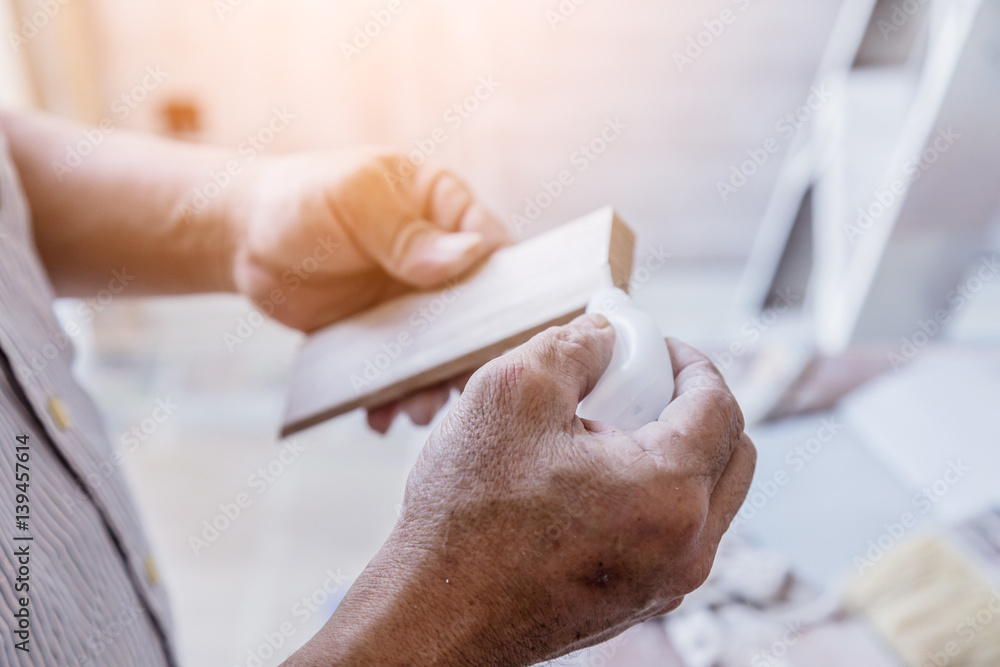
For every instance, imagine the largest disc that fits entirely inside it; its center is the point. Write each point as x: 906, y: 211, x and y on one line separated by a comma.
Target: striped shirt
x: 75, y: 568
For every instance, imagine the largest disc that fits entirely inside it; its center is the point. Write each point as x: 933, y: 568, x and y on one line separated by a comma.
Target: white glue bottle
x: 639, y: 382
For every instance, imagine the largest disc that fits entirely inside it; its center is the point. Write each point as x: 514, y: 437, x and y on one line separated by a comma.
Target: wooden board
x: 424, y: 338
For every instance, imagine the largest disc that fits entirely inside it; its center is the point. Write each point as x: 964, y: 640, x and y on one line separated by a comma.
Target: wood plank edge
x: 621, y: 252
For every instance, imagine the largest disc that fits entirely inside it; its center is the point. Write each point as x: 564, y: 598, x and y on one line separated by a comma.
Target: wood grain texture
x: 424, y: 338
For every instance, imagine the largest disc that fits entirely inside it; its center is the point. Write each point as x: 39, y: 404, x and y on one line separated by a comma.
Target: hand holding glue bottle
x: 639, y: 382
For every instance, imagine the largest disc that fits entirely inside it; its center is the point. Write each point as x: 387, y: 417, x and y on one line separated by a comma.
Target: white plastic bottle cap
x: 639, y: 382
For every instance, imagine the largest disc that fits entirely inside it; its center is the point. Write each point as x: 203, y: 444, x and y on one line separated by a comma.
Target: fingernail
x: 420, y: 411
x: 457, y: 245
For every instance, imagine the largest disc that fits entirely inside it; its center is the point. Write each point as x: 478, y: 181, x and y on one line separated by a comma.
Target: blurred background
x: 823, y: 177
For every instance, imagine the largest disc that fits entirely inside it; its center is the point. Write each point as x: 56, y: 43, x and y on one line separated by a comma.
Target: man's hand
x: 325, y: 235
x: 527, y: 533
x: 310, y: 237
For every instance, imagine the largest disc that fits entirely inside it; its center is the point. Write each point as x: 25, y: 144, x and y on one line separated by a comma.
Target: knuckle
x: 561, y: 346
x: 721, y: 399
x: 537, y: 371
x: 513, y: 385
x: 530, y: 367
x: 514, y: 388
x: 723, y: 404
x: 498, y: 380
x: 707, y: 374
x: 367, y: 175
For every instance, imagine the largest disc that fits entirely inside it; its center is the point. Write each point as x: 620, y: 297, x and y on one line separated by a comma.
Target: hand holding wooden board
x: 424, y: 338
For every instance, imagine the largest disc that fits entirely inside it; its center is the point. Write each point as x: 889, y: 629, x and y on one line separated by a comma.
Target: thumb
x: 558, y: 367
x: 424, y: 255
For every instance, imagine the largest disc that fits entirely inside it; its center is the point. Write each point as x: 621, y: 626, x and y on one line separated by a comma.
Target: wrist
x: 214, y: 212
x: 411, y: 607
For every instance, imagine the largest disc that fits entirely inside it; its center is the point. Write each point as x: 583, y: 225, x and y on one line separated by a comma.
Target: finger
x: 553, y: 371
x: 420, y: 407
x: 380, y: 419
x: 425, y: 229
x: 696, y: 434
x: 732, y: 488
x: 452, y: 206
x: 692, y: 369
x: 694, y: 372
x: 423, y: 255
x: 423, y: 406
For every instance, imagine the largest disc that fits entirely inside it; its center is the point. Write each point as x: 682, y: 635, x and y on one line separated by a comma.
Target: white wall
x: 559, y: 86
